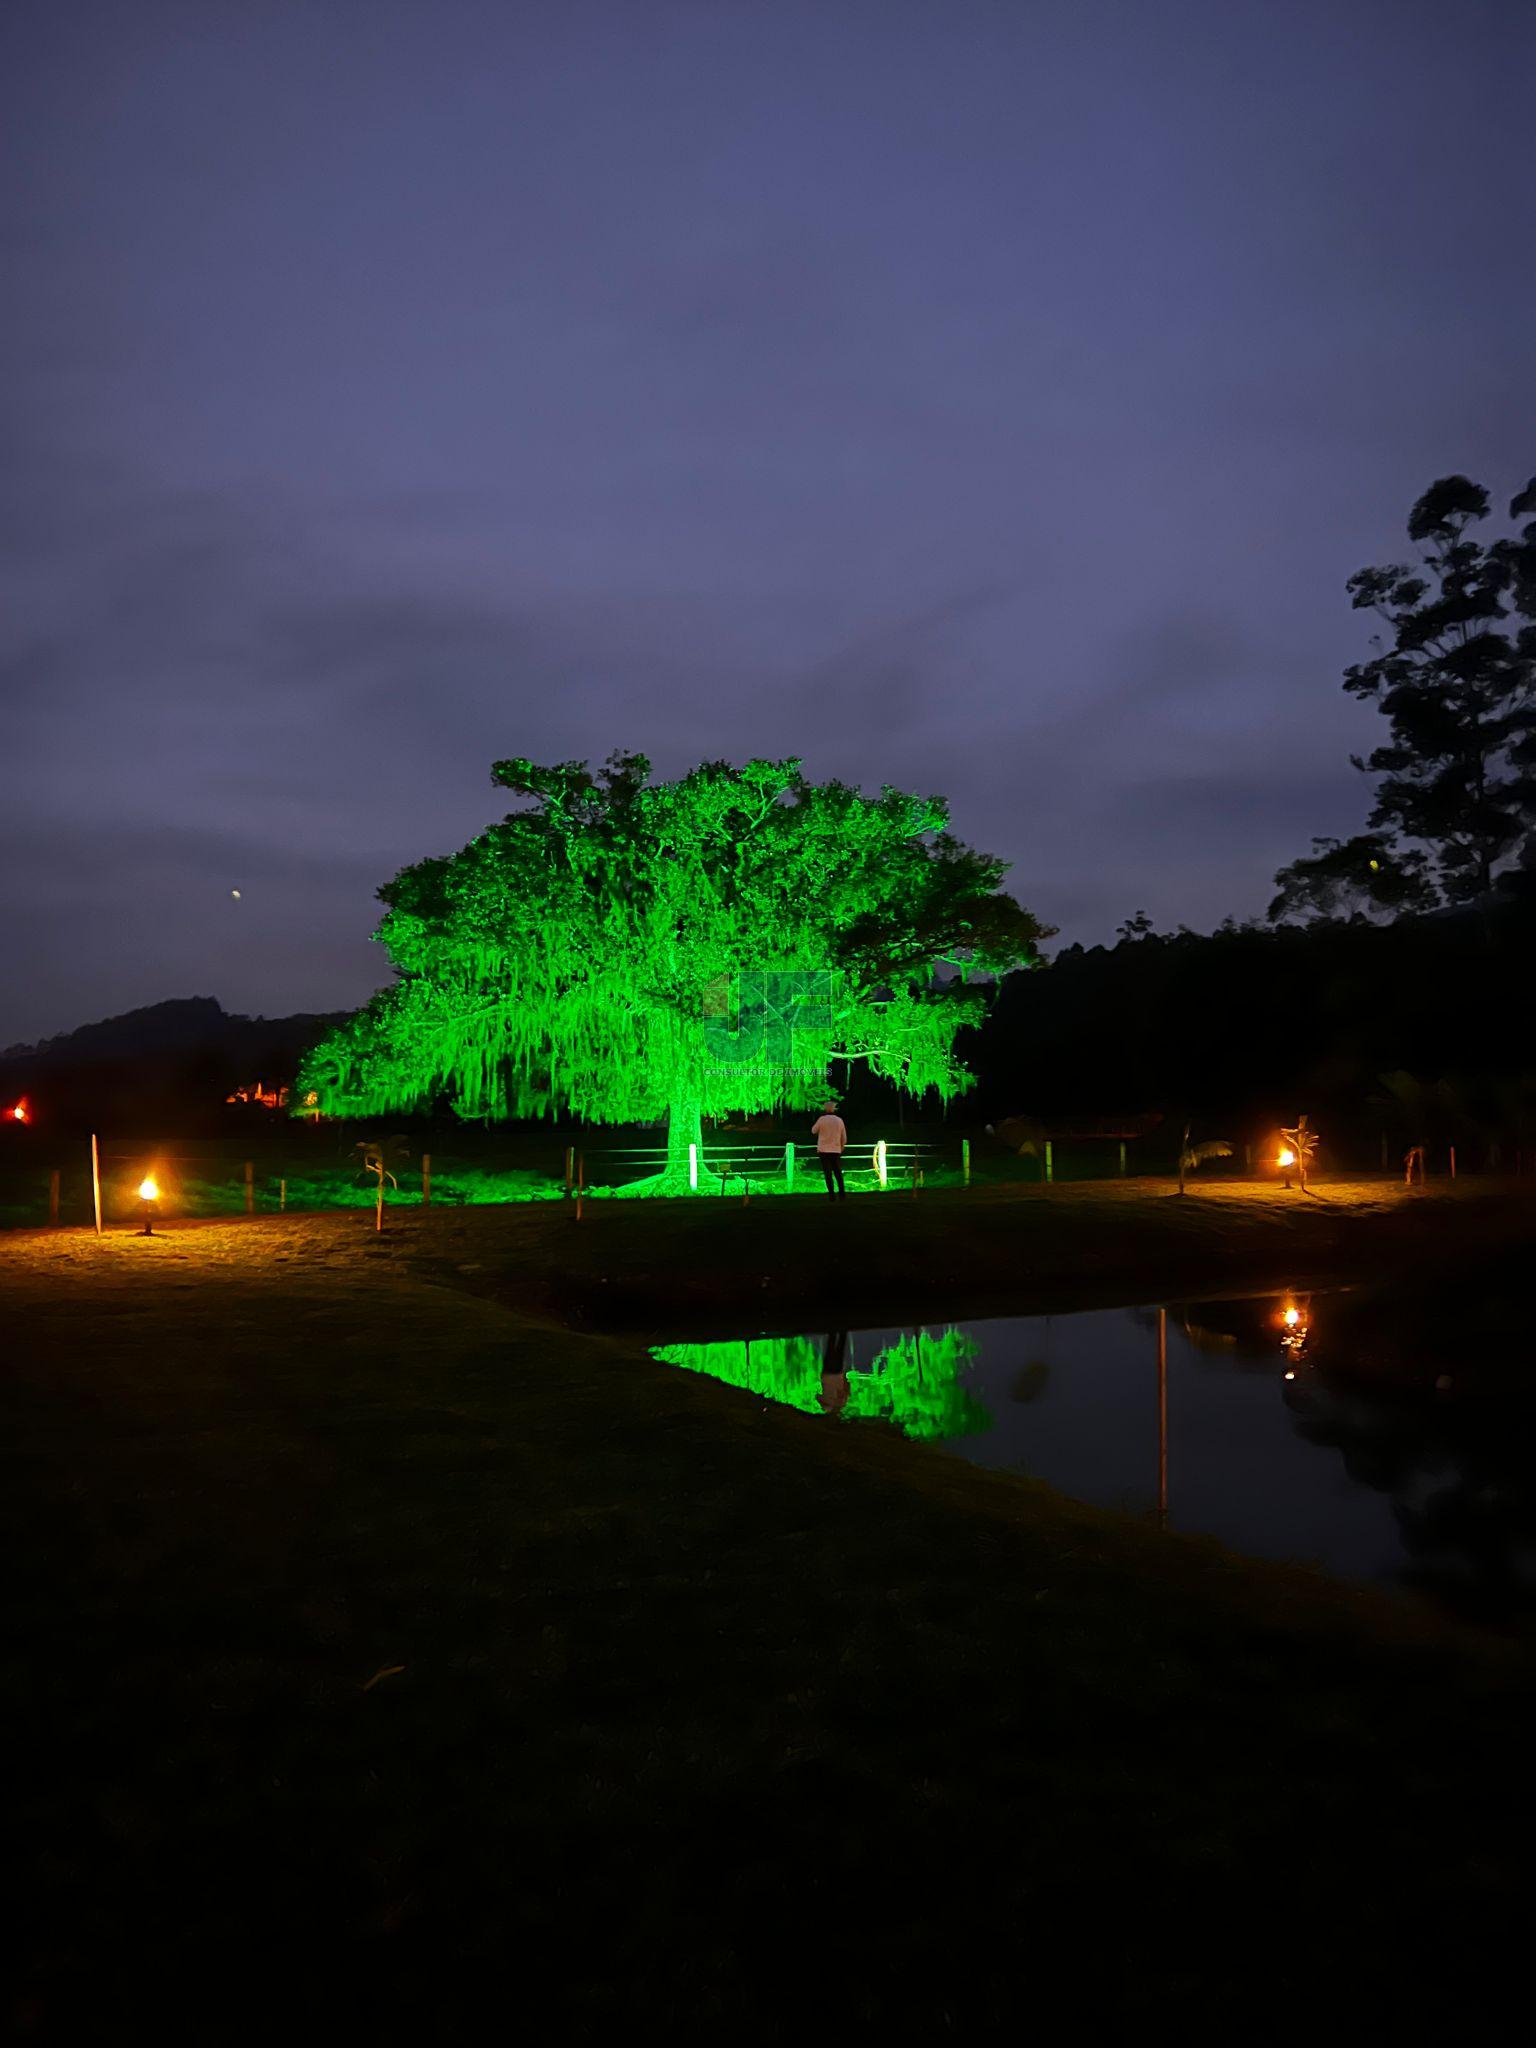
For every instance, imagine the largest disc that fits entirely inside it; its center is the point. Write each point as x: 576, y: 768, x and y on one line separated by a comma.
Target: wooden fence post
x: 1050, y: 1163
x: 1453, y: 1162
x: 426, y: 1180
x: 570, y: 1162
x: 53, y: 1196
x: 1122, y: 1159
x: 96, y: 1181
x: 1162, y: 1418
x: 581, y: 1183
x: 965, y: 1162
x: 789, y: 1166
x: 282, y: 1196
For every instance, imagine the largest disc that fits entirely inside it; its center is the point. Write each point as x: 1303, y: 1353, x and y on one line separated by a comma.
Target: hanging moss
x: 625, y: 950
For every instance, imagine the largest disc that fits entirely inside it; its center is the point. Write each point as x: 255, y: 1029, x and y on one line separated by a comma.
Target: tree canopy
x: 628, y: 949
x: 1455, y: 678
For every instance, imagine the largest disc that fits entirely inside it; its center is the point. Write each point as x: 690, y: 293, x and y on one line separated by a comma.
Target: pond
x: 1380, y: 1438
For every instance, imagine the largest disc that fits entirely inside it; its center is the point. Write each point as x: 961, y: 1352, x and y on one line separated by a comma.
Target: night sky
x: 985, y: 398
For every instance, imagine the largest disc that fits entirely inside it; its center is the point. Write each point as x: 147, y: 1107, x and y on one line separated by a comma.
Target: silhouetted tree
x: 1455, y: 680
x: 1352, y: 878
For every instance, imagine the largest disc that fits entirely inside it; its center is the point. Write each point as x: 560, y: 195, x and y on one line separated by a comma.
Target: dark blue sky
x: 989, y: 398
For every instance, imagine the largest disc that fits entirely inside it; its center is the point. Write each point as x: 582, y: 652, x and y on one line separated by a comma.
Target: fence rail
x: 901, y: 1161
x: 102, y: 1180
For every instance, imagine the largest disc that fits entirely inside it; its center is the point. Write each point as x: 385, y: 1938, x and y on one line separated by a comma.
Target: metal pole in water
x: 1162, y: 1418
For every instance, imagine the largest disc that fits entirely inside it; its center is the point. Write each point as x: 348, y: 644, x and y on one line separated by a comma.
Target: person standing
x: 831, y: 1135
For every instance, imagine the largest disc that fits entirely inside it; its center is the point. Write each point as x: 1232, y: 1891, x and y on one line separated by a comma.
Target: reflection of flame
x: 1287, y: 1156
x: 148, y: 1191
x: 1295, y: 1322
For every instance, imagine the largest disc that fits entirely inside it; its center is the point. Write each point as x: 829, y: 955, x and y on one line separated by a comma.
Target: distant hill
x: 175, y: 1062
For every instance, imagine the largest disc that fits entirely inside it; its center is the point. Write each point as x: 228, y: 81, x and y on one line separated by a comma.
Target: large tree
x: 1455, y: 678
x: 628, y: 949
x: 1368, y: 876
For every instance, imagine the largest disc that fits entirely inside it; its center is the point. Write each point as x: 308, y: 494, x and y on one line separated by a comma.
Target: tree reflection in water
x: 1421, y: 1390
x: 1462, y: 1482
x: 1412, y: 1386
x: 912, y: 1382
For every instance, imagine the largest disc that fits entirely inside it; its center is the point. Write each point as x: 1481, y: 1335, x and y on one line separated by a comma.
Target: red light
x: 19, y: 1112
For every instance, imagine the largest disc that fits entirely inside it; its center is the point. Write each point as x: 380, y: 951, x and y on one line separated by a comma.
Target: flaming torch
x: 149, y: 1194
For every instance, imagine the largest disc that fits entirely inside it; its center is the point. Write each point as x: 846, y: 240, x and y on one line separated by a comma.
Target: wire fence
x: 729, y: 1167
x: 43, y: 1183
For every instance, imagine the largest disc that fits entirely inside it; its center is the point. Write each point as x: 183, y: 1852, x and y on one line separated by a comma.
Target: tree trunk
x: 684, y: 1128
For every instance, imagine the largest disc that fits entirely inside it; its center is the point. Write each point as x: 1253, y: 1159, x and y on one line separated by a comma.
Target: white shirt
x: 830, y: 1133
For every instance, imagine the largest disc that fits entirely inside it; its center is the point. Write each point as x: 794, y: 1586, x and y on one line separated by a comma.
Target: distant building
x: 260, y: 1097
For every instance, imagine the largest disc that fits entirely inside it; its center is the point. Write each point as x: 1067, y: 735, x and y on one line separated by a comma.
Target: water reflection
x: 1461, y: 1480
x: 1387, y: 1436
x: 910, y: 1378
x: 834, y: 1373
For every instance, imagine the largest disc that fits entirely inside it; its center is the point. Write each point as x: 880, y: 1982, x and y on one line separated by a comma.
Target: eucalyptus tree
x: 1454, y: 675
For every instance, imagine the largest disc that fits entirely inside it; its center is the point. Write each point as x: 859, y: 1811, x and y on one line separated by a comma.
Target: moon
x: 236, y: 894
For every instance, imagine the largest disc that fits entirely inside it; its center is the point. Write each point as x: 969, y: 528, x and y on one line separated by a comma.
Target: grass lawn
x: 393, y: 1652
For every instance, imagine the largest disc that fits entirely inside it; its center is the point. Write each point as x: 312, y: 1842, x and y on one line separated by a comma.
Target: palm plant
x: 1301, y: 1143
x: 1191, y: 1156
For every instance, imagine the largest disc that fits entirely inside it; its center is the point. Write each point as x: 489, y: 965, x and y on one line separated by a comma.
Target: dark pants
x: 832, y: 1167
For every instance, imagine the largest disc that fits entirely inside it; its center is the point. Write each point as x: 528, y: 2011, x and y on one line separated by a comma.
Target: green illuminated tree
x: 630, y: 950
